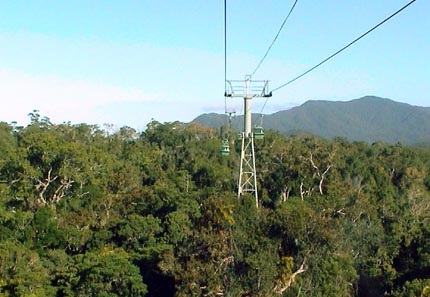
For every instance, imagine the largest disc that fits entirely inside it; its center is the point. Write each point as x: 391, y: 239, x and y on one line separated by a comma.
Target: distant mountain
x: 367, y: 119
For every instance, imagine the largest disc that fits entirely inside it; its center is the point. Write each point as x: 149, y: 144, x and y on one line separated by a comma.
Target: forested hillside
x: 87, y: 213
x: 367, y: 119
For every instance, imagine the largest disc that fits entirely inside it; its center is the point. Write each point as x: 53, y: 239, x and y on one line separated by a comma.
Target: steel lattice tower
x: 247, y: 89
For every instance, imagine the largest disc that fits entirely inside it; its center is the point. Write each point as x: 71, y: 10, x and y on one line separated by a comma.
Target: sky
x: 127, y: 62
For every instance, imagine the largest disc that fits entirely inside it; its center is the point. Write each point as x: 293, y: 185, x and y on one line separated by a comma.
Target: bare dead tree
x: 287, y: 281
x: 301, y: 191
x: 59, y: 193
x: 322, y: 179
x: 42, y: 186
x: 318, y: 173
x: 285, y: 194
x: 307, y: 192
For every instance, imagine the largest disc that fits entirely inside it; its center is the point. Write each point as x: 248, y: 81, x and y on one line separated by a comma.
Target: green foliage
x: 108, y: 273
x: 84, y: 212
x: 22, y: 272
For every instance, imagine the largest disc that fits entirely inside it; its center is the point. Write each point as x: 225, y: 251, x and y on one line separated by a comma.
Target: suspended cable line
x: 225, y: 62
x: 344, y: 48
x: 225, y: 48
x: 274, y: 39
x: 225, y: 147
x: 262, y: 109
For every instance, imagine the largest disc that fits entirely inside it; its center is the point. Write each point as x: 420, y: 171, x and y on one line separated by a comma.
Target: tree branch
x: 287, y: 281
x: 322, y: 179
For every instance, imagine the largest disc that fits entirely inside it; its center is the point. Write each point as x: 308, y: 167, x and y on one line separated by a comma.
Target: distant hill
x: 367, y: 119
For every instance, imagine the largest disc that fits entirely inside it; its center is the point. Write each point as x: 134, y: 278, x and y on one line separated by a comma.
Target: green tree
x: 108, y: 272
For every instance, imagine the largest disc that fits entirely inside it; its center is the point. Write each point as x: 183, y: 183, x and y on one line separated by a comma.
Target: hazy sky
x: 126, y: 62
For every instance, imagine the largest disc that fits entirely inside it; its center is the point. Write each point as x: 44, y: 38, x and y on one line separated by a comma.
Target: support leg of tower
x: 247, y: 171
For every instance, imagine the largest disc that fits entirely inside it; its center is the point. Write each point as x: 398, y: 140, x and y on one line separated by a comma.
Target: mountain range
x: 368, y: 119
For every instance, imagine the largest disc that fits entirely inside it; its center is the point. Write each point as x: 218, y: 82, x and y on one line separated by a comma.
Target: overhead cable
x: 225, y: 46
x: 274, y: 39
x: 344, y: 48
x: 225, y: 61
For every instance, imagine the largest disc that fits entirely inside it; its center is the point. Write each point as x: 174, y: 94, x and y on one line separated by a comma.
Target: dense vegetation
x: 366, y: 119
x: 89, y: 213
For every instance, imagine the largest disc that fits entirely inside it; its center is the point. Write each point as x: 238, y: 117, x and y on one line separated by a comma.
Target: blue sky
x: 127, y: 62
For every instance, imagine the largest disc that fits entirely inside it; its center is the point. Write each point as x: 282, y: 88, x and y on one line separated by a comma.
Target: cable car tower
x: 248, y: 89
